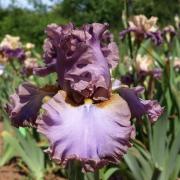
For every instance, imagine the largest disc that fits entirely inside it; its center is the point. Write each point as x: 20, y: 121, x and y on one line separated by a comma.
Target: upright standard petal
x: 94, y: 134
x: 25, y: 104
x: 139, y: 107
x: 82, y: 58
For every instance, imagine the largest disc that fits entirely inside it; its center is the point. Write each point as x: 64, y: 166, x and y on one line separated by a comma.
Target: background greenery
x: 30, y: 23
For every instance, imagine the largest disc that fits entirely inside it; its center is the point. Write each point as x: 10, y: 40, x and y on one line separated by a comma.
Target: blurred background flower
x: 11, y: 42
x: 143, y: 28
x: 144, y: 63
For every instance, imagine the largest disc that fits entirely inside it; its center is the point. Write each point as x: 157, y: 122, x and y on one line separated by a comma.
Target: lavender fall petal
x: 25, y: 104
x: 139, y: 107
x: 95, y: 134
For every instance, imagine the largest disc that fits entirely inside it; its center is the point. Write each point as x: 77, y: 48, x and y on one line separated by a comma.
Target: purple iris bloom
x: 17, y: 53
x: 143, y: 28
x: 83, y: 118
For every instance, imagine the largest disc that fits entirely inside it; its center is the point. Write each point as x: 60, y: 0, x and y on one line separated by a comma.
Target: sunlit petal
x: 94, y: 134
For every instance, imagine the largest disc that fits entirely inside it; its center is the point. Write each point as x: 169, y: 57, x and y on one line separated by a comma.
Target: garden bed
x: 12, y: 172
x: 9, y: 172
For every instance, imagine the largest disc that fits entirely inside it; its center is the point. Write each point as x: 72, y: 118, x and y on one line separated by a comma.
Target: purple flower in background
x: 156, y: 73
x: 168, y: 33
x: 143, y: 28
x: 12, y: 47
x: 83, y: 117
x: 29, y: 65
x: 144, y: 67
x: 14, y: 53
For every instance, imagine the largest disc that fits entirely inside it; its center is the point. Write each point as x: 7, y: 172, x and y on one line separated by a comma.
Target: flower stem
x: 92, y: 176
x: 74, y: 171
x: 127, y: 12
x: 96, y: 175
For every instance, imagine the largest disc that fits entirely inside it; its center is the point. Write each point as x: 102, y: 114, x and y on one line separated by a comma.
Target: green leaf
x: 173, y: 155
x: 109, y: 173
x: 28, y: 151
x: 175, y: 96
x: 132, y: 162
x: 177, y: 47
x: 158, y: 144
x: 8, y: 153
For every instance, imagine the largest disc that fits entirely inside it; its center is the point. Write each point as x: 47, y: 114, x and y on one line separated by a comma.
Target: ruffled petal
x: 111, y: 52
x: 157, y: 73
x: 94, y: 134
x: 14, y: 53
x: 82, y: 58
x: 156, y: 37
x: 49, y: 59
x: 139, y: 107
x: 25, y: 104
x: 90, y: 74
x: 153, y: 109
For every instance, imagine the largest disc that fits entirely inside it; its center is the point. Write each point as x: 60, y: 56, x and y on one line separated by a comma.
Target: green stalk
x: 96, y: 175
x: 74, y: 171
x: 156, y: 173
x: 92, y: 176
x: 127, y: 12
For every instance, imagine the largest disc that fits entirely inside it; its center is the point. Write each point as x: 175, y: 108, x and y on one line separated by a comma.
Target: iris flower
x: 29, y: 64
x: 145, y: 66
x: 83, y: 116
x: 143, y: 28
x: 11, y: 47
x: 168, y: 33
